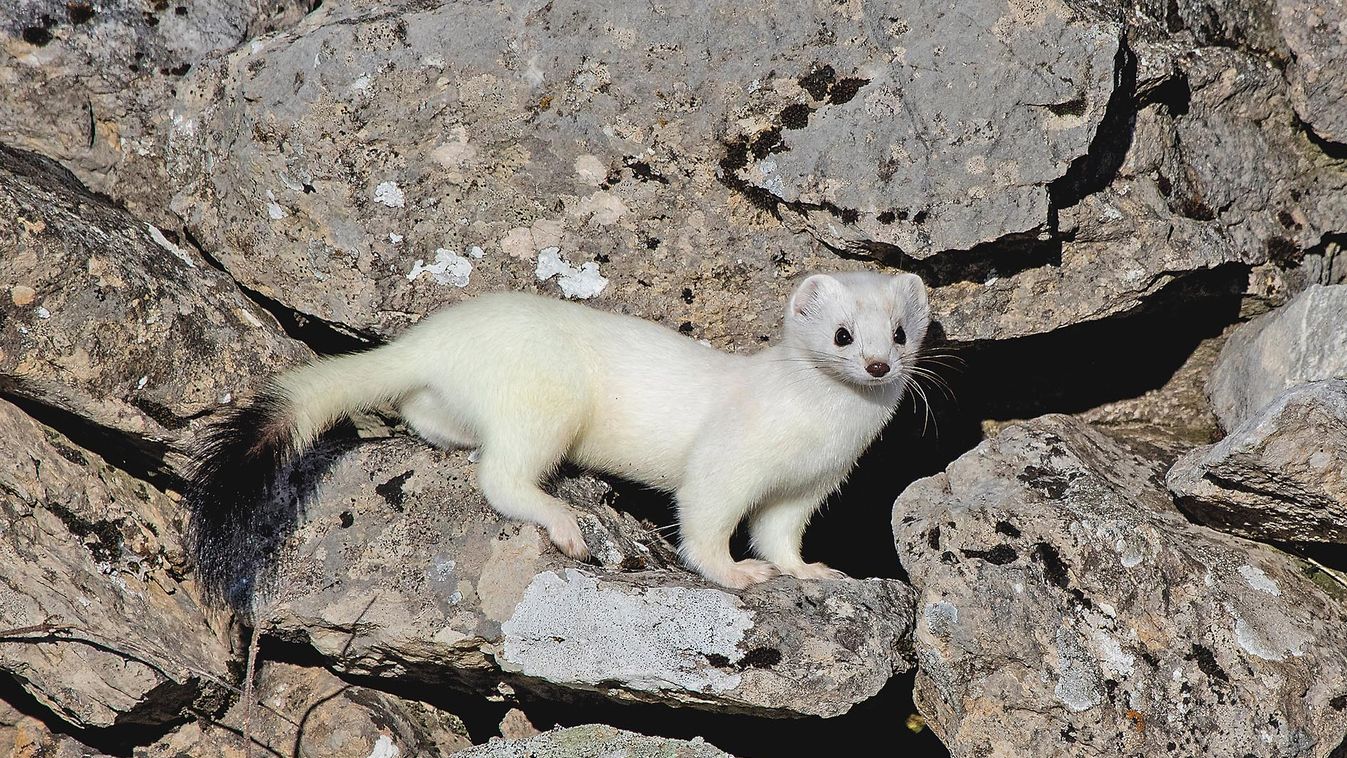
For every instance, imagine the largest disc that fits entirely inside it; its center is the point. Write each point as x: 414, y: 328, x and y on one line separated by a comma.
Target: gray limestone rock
x: 96, y: 622
x: 1118, y: 625
x: 308, y: 711
x: 594, y: 740
x: 1281, y: 475
x: 1317, y: 40
x: 402, y: 571
x: 1304, y: 341
x: 109, y: 319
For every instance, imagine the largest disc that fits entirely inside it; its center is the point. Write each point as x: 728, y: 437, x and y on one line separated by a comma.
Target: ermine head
x: 861, y: 328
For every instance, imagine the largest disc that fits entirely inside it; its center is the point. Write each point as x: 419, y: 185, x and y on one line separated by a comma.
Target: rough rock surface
x: 308, y: 711
x: 89, y: 83
x: 185, y: 338
x: 1120, y: 625
x: 1317, y: 40
x: 1304, y: 341
x: 1281, y: 475
x: 403, y: 571
x: 594, y: 740
x: 95, y: 622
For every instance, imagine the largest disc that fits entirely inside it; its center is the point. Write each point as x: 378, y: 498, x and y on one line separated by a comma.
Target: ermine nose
x: 877, y: 368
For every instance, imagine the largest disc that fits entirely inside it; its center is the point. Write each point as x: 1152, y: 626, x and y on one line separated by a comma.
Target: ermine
x: 531, y: 381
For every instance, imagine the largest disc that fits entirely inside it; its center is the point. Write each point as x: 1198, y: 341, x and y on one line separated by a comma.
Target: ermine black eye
x: 899, y: 336
x: 842, y: 338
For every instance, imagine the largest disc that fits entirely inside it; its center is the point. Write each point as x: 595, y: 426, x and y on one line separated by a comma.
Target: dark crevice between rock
x: 118, y: 740
x: 1005, y: 257
x: 1332, y: 555
x: 1112, y: 139
x: 1335, y: 150
x: 139, y: 457
x: 323, y: 337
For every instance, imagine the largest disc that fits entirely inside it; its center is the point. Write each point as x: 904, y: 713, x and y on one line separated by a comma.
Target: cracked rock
x: 85, y: 548
x: 108, y: 319
x: 593, y: 740
x: 1119, y: 625
x: 1304, y: 341
x: 1281, y: 475
x: 402, y: 571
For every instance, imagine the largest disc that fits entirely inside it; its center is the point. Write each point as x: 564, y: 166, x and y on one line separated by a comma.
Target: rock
x: 1304, y: 341
x: 1063, y: 600
x: 308, y: 711
x: 23, y: 736
x: 95, y: 621
x: 186, y: 338
x: 89, y: 83
x: 402, y: 571
x: 1281, y: 475
x: 594, y: 740
x: 1317, y: 72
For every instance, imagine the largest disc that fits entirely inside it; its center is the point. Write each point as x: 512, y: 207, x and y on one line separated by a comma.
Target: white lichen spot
x: 476, y: 252
x: 1109, y: 213
x: 225, y: 398
x: 140, y: 383
x: 84, y: 601
x: 42, y: 312
x: 394, y: 237
x: 384, y: 748
x: 940, y: 618
x: 571, y: 629
x: 583, y: 282
x: 1129, y: 555
x: 449, y: 268
x: 390, y: 195
x: 1258, y: 580
x: 754, y: 86
x: 162, y: 241
x: 274, y: 209
x: 1252, y: 642
x: 590, y: 170
x: 1111, y: 653
x: 1078, y: 679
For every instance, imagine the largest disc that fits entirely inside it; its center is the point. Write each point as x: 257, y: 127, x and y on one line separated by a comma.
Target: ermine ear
x: 911, y: 292
x: 811, y: 294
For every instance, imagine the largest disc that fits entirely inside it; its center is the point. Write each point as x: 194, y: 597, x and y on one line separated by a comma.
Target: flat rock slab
x: 1303, y: 341
x: 104, y: 317
x: 305, y: 711
x: 94, y: 622
x: 403, y: 571
x: 1281, y: 475
x: 594, y: 740
x: 1065, y: 604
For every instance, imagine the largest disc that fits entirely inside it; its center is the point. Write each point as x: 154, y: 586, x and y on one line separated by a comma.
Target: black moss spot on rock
x: 1287, y: 220
x: 36, y: 35
x: 102, y: 538
x: 347, y: 519
x: 643, y: 172
x: 79, y: 13
x: 1206, y: 662
x: 849, y: 215
x: 1338, y: 703
x: 1054, y: 568
x: 687, y: 296
x: 1283, y: 252
x: 150, y: 19
x: 817, y: 82
x: 180, y: 10
x: 796, y: 116
x: 650, y: 243
x: 685, y: 327
x: 1163, y: 183
x: 917, y: 219
x: 1007, y: 528
x: 887, y: 217
x: 1051, y: 483
x: 1194, y: 208
x: 933, y: 538
x: 998, y: 556
x: 760, y: 658
x: 767, y: 142
x: 718, y: 660
x: 846, y: 89
x: 391, y: 490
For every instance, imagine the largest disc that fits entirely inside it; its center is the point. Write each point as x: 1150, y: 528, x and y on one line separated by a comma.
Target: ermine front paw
x: 813, y: 571
x: 565, y: 534
x: 746, y: 573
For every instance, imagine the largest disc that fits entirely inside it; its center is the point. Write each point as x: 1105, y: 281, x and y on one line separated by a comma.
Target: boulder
x: 307, y: 711
x: 110, y: 321
x: 1317, y: 73
x: 1304, y: 341
x: 96, y: 622
x: 401, y: 571
x: 1065, y: 604
x: 594, y: 740
x: 1281, y: 475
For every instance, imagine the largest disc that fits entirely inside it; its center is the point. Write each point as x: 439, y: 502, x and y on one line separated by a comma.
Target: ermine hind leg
x: 509, y: 473
x: 776, y: 531
x: 426, y: 414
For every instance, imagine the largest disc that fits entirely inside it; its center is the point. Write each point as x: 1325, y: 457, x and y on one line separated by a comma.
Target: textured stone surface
x: 1317, y: 39
x: 1281, y: 475
x: 308, y: 711
x: 1119, y: 626
x: 1304, y: 341
x: 103, y: 317
x: 404, y: 572
x: 593, y: 740
x: 94, y: 620
x: 89, y: 83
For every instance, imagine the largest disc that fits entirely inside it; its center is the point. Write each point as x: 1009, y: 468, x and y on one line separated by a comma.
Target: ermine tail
x: 237, y: 459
